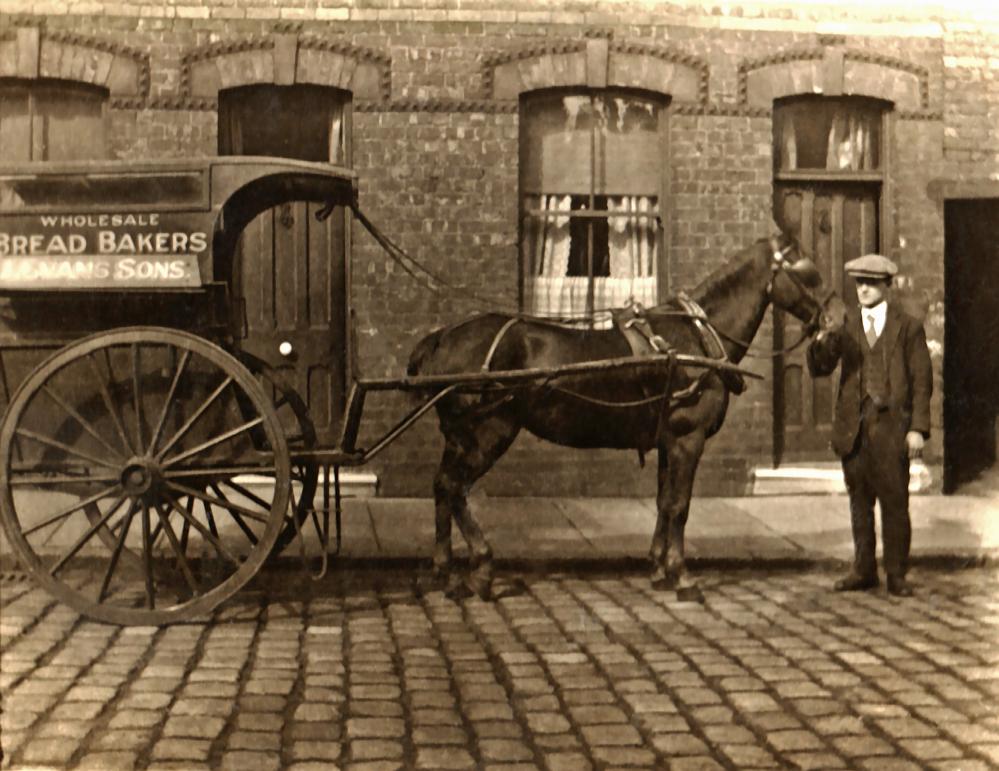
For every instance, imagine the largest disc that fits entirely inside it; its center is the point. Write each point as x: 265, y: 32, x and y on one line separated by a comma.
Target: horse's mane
x: 721, y: 280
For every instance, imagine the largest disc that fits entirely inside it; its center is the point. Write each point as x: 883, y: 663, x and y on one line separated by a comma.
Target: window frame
x: 661, y: 215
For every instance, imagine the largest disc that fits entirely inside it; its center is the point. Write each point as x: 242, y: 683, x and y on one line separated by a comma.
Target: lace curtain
x: 632, y: 249
x: 833, y: 137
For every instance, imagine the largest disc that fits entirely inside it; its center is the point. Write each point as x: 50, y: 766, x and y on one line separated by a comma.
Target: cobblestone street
x: 565, y: 672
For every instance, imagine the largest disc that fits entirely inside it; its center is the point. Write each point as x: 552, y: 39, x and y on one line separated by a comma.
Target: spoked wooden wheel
x: 128, y: 463
x: 300, y: 434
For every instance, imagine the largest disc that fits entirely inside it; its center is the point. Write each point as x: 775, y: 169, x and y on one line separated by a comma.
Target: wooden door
x: 291, y: 271
x: 290, y: 277
x: 834, y: 222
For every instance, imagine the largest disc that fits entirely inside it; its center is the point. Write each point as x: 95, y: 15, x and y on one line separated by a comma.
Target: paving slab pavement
x: 760, y: 529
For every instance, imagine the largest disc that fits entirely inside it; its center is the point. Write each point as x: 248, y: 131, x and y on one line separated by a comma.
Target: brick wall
x: 435, y: 144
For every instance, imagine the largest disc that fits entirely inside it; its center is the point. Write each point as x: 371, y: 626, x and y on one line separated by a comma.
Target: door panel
x: 834, y: 224
x: 290, y: 276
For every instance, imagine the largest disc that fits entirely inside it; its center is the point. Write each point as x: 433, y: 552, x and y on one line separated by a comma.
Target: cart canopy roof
x: 144, y: 224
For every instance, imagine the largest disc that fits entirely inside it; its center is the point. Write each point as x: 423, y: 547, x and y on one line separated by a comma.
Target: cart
x: 148, y: 471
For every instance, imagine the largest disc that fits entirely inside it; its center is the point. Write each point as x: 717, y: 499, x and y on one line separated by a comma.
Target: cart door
x: 290, y: 270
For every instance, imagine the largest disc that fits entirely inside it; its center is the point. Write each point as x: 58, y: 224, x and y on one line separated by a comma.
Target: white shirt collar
x: 880, y: 313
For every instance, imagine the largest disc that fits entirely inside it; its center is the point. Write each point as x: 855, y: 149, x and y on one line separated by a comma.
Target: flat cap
x: 872, y: 266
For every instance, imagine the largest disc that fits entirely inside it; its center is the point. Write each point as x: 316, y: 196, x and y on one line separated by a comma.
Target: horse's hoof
x: 482, y: 588
x: 690, y: 594
x: 663, y: 583
x: 456, y: 589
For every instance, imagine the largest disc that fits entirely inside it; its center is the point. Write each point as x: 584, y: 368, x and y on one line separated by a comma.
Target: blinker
x: 806, y: 272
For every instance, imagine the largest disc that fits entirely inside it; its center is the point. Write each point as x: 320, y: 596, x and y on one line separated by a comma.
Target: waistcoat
x: 874, y: 376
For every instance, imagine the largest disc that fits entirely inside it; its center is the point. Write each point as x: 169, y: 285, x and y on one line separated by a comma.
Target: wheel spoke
x: 193, y: 419
x: 147, y: 558
x: 65, y: 512
x: 213, y: 442
x: 215, y: 542
x: 251, y: 536
x: 83, y: 422
x: 64, y: 447
x: 226, y: 504
x: 178, y: 550
x: 43, y: 480
x: 119, y: 545
x: 169, y: 401
x: 214, y: 472
x: 246, y: 493
x: 137, y: 394
x: 82, y: 540
x: 109, y: 402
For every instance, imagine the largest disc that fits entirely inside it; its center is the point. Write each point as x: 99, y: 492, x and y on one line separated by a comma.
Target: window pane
x: 828, y: 133
x: 563, y: 133
x: 15, y: 124
x: 69, y: 124
x: 302, y: 122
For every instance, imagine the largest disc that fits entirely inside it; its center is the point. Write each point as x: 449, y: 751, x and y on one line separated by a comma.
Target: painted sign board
x: 106, y: 250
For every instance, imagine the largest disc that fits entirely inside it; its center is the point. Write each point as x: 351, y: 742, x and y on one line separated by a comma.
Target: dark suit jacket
x: 910, y: 375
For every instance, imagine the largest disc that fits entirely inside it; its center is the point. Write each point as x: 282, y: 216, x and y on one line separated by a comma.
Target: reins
x: 413, y: 267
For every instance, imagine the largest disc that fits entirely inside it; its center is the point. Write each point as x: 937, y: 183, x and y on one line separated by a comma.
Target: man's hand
x: 914, y: 442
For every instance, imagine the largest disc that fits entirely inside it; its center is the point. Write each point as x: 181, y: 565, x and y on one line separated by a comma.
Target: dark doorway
x: 971, y: 340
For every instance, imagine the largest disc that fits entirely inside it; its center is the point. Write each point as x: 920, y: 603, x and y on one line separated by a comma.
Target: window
x: 303, y: 122
x: 51, y: 120
x: 831, y: 134
x: 590, y: 182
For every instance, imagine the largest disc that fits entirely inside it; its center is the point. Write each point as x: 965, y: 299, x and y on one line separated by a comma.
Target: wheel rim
x: 125, y: 460
x: 300, y: 434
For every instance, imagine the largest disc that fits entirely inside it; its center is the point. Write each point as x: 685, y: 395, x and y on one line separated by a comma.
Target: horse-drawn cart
x: 146, y: 472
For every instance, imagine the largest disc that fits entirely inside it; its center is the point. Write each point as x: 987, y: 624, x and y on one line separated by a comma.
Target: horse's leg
x: 657, y: 551
x: 684, y: 453
x: 472, y: 453
x: 444, y: 504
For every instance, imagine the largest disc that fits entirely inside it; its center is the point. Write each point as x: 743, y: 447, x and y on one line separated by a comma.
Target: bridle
x: 780, y: 263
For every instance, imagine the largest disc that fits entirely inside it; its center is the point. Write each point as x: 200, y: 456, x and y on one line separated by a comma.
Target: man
x: 882, y: 419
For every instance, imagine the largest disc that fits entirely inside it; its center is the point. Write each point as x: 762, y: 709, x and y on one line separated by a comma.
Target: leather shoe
x: 899, y: 587
x: 855, y: 583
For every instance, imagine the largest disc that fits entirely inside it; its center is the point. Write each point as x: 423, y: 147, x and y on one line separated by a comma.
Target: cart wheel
x: 127, y: 468
x: 300, y: 434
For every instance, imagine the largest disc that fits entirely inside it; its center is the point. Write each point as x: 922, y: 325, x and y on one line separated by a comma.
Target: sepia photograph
x: 503, y: 385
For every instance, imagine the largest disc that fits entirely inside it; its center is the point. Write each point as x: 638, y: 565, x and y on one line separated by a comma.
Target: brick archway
x: 32, y: 53
x: 596, y: 63
x: 833, y: 71
x: 286, y: 59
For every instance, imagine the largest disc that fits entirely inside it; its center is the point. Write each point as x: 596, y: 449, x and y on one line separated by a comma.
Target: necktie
x: 872, y: 335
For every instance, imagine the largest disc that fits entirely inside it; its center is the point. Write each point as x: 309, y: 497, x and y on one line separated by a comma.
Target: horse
x: 673, y: 410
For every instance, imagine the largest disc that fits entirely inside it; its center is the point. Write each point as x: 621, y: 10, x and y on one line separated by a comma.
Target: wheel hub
x: 141, y: 477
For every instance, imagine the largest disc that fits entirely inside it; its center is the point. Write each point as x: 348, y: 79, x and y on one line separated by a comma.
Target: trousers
x: 878, y: 470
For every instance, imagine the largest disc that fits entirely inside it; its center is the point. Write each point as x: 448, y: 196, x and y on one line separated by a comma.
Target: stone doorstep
x: 812, y: 478
x: 353, y: 484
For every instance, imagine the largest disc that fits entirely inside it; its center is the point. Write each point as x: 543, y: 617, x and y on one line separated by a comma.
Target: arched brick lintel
x: 31, y: 53
x: 833, y: 72
x: 285, y: 59
x: 596, y: 63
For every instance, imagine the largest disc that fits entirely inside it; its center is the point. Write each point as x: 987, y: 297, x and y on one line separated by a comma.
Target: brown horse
x: 672, y: 412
